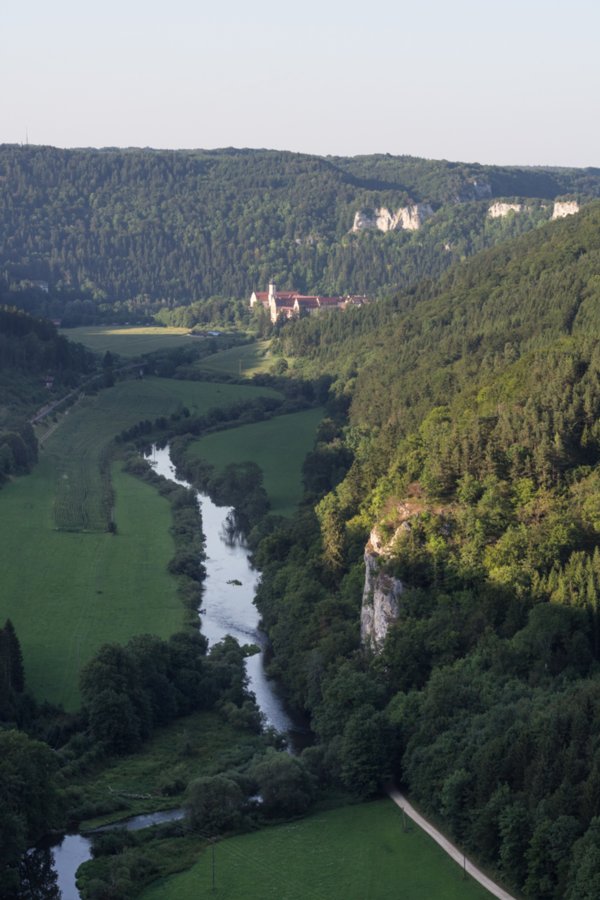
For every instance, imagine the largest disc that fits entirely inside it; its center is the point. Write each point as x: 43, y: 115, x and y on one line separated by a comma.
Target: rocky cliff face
x: 563, y: 208
x: 500, y: 209
x: 381, y: 595
x: 409, y: 218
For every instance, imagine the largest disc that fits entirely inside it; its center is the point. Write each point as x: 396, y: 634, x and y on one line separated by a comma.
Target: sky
x: 493, y: 82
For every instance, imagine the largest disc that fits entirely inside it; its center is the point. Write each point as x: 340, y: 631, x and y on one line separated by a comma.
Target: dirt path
x: 456, y: 854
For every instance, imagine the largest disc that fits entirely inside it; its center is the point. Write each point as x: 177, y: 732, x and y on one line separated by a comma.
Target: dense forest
x: 87, y: 235
x: 473, y: 449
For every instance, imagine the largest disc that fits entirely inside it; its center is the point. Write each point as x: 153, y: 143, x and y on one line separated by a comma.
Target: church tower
x: 272, y: 298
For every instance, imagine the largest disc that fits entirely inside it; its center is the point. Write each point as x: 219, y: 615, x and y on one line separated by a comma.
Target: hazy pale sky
x: 515, y: 81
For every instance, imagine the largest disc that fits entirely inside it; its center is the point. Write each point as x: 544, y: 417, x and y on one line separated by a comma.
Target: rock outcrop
x: 563, y: 208
x: 408, y: 218
x: 382, y: 592
x: 500, y: 209
x: 381, y: 595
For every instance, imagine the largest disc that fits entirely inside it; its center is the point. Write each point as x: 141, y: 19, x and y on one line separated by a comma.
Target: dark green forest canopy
x: 152, y: 228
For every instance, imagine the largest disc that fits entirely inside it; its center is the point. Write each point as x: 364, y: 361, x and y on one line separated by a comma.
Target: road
x: 456, y: 854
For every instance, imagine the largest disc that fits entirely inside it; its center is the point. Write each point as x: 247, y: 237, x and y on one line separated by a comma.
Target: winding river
x: 228, y: 597
x: 227, y: 608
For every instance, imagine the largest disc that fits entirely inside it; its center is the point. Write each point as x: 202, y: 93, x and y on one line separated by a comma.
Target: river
x: 227, y: 608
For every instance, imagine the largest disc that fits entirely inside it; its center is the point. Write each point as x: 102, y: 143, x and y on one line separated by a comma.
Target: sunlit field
x: 129, y: 341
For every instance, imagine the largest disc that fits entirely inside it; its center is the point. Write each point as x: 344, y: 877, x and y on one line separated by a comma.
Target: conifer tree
x: 13, y: 658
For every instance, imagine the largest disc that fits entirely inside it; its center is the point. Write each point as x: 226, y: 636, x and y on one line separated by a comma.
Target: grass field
x: 247, y: 360
x: 128, y: 341
x: 69, y: 592
x: 278, y: 446
x: 351, y: 853
x: 77, y: 447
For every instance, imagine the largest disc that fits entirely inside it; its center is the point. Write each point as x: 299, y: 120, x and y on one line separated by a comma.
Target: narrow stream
x: 227, y: 608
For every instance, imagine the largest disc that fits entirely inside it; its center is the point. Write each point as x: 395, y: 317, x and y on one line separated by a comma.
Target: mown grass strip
x: 351, y: 853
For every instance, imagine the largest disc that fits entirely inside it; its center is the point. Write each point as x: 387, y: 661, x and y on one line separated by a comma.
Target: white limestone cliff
x: 409, y: 218
x: 381, y: 594
x: 500, y: 209
x: 563, y: 208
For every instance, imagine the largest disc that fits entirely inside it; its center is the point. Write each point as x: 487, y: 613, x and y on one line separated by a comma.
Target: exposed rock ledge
x: 381, y: 593
x: 563, y: 208
x: 499, y: 210
x: 409, y: 218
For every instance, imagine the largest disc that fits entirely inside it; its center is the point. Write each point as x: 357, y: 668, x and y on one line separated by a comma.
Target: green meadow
x: 351, y: 853
x: 77, y: 447
x: 247, y: 360
x: 278, y: 446
x: 69, y: 591
x: 126, y: 340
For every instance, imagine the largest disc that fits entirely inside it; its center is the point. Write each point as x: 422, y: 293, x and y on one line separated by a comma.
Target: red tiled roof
x: 287, y: 301
x: 330, y: 301
x: 261, y: 295
x: 311, y: 302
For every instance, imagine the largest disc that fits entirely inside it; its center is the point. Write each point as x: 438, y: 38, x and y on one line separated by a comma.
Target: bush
x: 214, y: 804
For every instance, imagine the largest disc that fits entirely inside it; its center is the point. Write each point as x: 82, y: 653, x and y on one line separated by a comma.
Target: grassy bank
x: 155, y: 777
x: 69, y: 591
x: 349, y: 853
x: 278, y: 446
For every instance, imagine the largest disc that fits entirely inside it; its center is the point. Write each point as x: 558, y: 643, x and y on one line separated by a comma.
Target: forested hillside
x: 398, y: 358
x: 89, y: 234
x: 474, y: 407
